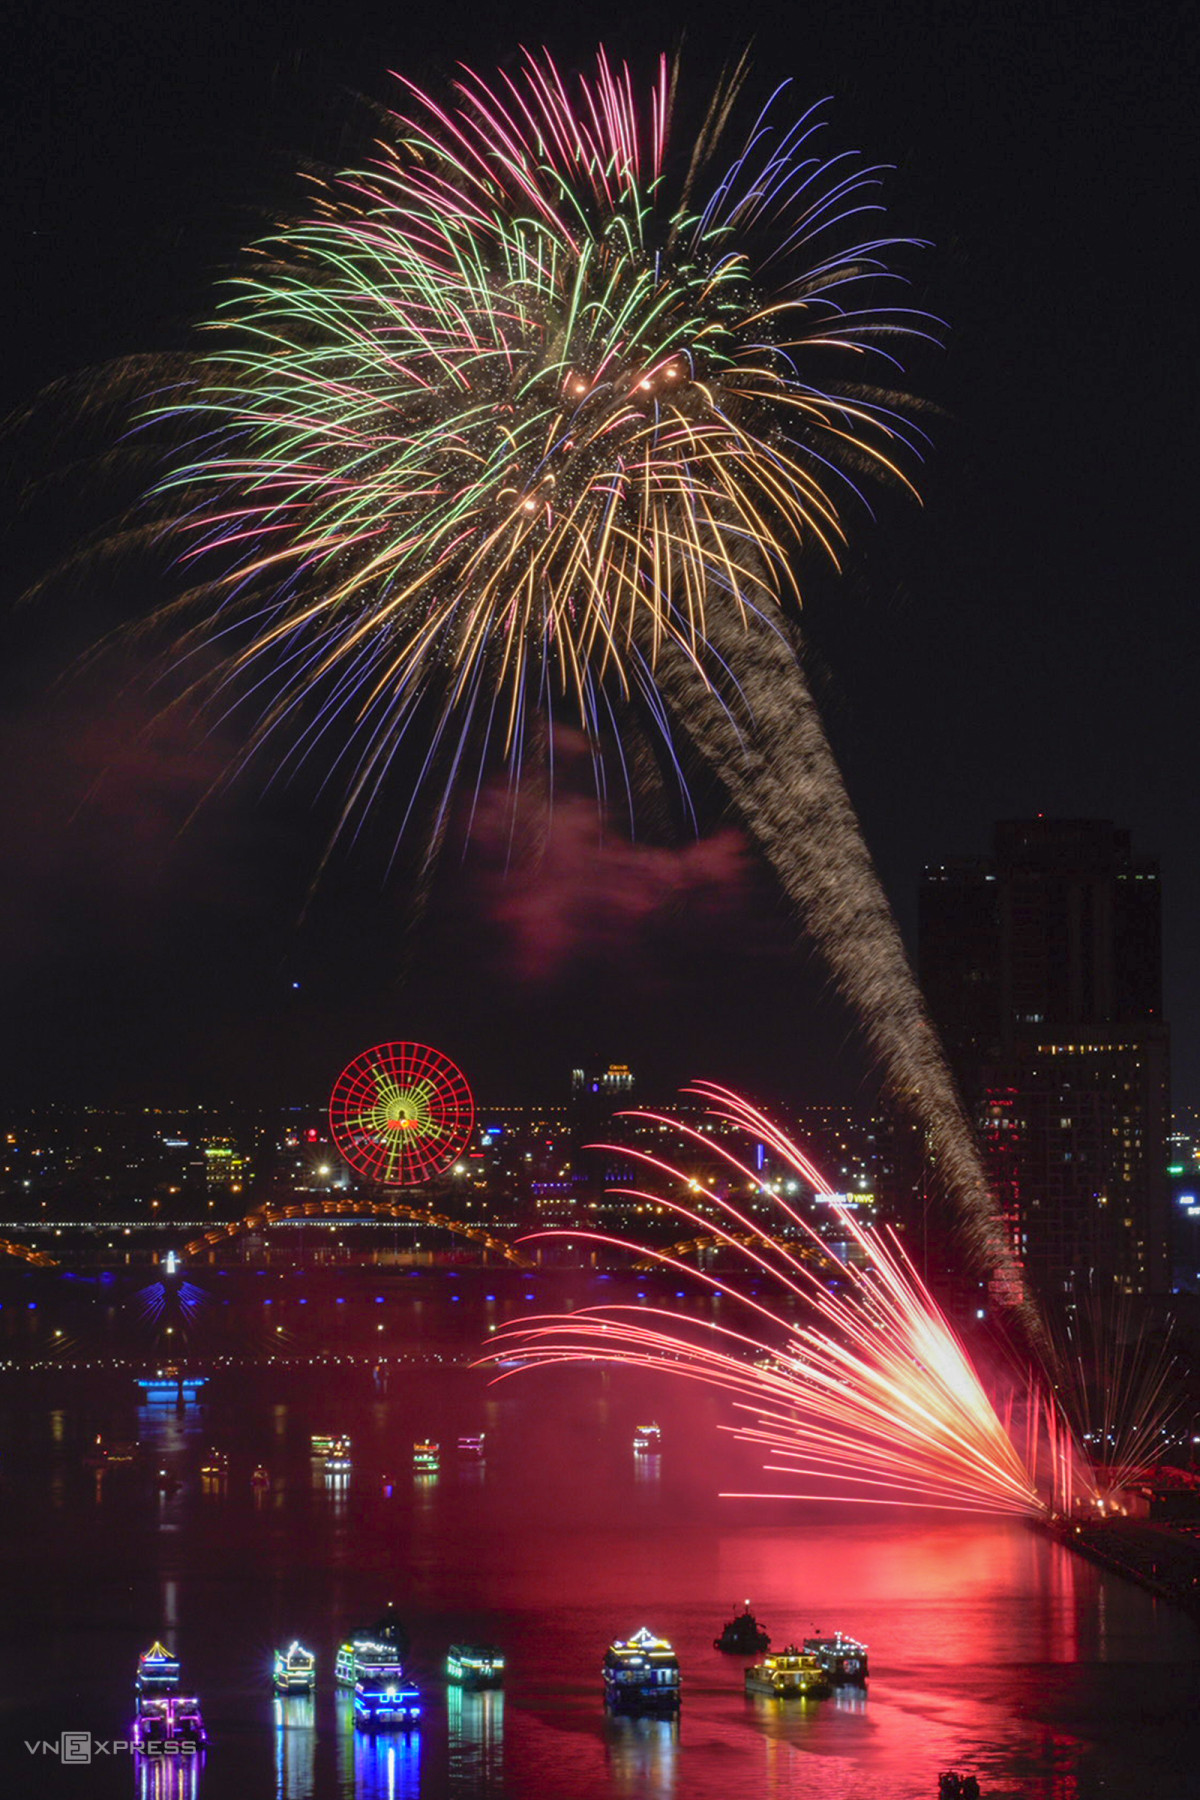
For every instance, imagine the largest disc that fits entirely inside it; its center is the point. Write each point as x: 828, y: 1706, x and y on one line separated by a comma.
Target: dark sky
x: 1025, y: 642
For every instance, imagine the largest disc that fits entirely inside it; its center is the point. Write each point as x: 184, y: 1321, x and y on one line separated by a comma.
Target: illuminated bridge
x: 695, y: 1246
x: 352, y: 1210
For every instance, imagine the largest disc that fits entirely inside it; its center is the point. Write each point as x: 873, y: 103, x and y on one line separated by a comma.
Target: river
x: 992, y: 1648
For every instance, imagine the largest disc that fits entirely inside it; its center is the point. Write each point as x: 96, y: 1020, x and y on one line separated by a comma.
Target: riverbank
x: 1160, y: 1557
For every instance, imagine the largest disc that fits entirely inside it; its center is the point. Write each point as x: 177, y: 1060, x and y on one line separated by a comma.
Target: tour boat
x: 475, y: 1666
x: 168, y: 1383
x: 383, y: 1645
x: 157, y: 1671
x: 295, y: 1670
x: 215, y: 1465
x: 472, y: 1446
x: 427, y: 1456
x: 641, y: 1674
x: 169, y: 1719
x: 843, y: 1658
x: 647, y: 1440
x: 334, y: 1452
x: 118, y: 1450
x: 385, y: 1699
x: 743, y: 1635
x: 790, y: 1674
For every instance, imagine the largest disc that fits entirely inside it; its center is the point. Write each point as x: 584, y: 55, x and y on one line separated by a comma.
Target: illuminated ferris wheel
x: 401, y: 1113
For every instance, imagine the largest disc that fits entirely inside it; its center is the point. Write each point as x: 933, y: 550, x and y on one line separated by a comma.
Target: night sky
x: 1026, y: 642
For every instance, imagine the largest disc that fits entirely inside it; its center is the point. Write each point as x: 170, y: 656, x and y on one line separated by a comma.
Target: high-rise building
x: 1041, y: 965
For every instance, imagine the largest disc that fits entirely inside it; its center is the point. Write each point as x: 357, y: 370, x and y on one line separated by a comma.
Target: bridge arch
x: 273, y: 1214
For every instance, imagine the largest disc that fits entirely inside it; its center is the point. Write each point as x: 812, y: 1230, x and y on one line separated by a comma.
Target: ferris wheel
x: 401, y: 1113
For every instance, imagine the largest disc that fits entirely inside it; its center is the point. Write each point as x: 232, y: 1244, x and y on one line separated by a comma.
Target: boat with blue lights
x: 843, y: 1658
x: 169, y: 1384
x: 295, y: 1670
x: 641, y: 1674
x: 789, y: 1674
x: 475, y: 1666
x: 385, y: 1699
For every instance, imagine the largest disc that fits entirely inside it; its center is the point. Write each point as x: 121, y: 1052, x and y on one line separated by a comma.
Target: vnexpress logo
x: 80, y: 1747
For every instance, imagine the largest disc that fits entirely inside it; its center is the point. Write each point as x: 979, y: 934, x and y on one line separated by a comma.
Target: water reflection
x: 647, y: 1469
x: 476, y: 1736
x: 387, y: 1766
x: 295, y: 1746
x: 641, y: 1756
x: 168, y: 1777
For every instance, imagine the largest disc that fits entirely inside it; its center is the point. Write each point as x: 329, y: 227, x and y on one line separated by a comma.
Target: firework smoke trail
x: 781, y: 774
x: 528, y: 421
x: 874, y: 1396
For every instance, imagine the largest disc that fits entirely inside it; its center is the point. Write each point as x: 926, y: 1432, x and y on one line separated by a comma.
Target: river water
x: 992, y: 1648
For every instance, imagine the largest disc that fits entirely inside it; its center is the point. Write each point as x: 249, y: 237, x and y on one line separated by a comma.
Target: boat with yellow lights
x: 789, y: 1674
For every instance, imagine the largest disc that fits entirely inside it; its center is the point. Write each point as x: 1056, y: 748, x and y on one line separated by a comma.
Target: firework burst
x: 534, y: 417
x: 495, y: 429
x: 869, y: 1393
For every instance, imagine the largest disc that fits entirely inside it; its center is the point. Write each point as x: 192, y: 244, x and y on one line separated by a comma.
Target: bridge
x: 351, y: 1210
x: 752, y: 1240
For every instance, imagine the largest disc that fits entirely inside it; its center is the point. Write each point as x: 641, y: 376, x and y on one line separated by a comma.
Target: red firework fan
x: 401, y: 1113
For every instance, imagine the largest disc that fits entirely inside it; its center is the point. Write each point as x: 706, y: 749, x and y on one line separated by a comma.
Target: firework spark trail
x: 1119, y: 1388
x: 516, y: 428
x: 872, y: 1390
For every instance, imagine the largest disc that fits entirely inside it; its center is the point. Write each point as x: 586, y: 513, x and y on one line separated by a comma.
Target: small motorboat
x: 953, y: 1786
x: 260, y: 1478
x: 743, y: 1636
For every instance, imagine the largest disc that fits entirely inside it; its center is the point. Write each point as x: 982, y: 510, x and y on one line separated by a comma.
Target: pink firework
x: 866, y: 1395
